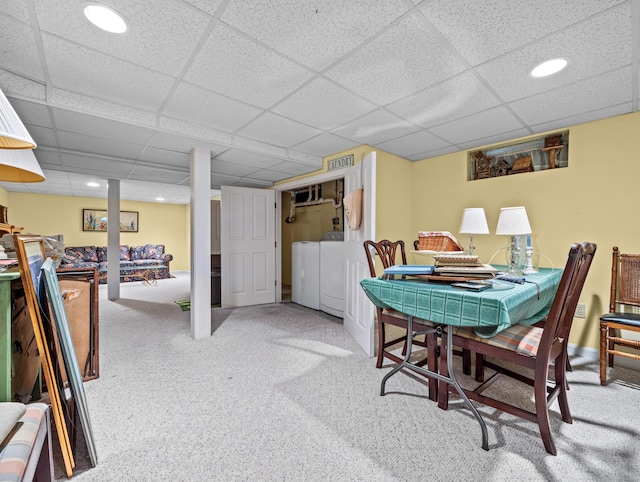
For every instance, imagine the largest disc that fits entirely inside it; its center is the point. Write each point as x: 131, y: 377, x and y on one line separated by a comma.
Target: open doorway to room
x: 310, y: 214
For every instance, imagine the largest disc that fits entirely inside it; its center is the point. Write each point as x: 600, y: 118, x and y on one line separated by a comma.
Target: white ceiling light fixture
x: 549, y: 67
x: 104, y: 17
x: 159, y: 199
x: 93, y: 184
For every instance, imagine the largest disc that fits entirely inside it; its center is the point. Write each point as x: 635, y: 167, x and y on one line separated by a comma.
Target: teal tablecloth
x: 488, y: 312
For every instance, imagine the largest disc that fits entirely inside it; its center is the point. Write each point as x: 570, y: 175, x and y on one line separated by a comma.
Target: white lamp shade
x: 13, y: 133
x: 474, y: 221
x: 513, y: 221
x: 19, y: 165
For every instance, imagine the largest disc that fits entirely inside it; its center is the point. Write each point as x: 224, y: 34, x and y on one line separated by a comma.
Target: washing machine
x: 332, y: 276
x: 305, y: 273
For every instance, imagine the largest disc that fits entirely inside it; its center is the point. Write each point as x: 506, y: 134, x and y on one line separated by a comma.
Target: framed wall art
x: 96, y: 220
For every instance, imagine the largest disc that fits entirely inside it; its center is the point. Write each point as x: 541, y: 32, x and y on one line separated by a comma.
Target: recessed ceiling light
x: 159, y: 199
x: 105, y: 18
x: 93, y: 184
x: 549, y: 67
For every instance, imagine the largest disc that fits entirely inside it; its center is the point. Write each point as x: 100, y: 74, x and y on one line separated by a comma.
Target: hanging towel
x: 353, y: 208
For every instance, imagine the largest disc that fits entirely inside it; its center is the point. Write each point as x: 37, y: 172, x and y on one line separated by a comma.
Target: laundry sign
x: 340, y: 163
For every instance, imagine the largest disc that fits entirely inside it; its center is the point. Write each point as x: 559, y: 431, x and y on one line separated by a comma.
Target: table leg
x: 451, y: 379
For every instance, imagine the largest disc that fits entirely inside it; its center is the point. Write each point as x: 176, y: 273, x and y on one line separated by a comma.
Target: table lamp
x: 513, y: 221
x: 473, y: 222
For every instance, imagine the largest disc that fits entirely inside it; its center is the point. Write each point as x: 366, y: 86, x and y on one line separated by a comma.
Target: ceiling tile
x: 612, y: 111
x: 314, y: 34
x: 577, y: 98
x: 15, y: 8
x: 42, y: 136
x: 144, y: 173
x: 478, y: 126
x: 88, y: 72
x: 481, y: 31
x: 172, y: 142
x: 31, y: 112
x: 403, y: 60
x: 102, y: 147
x: 93, y: 126
x: 278, y: 130
x: 412, y: 144
x: 325, y: 145
x: 195, y: 104
x: 451, y: 99
x: 208, y: 6
x: 154, y: 39
x: 588, y: 55
x: 165, y: 157
x: 107, y: 168
x: 231, y: 168
x: 292, y: 169
x: 375, y: 127
x: 323, y: 104
x: 435, y: 153
x: 46, y: 156
x: 247, y: 158
x: 232, y: 65
x: 19, y: 53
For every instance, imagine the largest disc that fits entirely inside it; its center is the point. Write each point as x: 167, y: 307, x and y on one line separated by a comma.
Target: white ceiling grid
x: 272, y: 86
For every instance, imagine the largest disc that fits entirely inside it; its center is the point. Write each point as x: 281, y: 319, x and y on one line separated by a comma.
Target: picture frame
x: 31, y: 254
x: 96, y: 220
x: 56, y: 304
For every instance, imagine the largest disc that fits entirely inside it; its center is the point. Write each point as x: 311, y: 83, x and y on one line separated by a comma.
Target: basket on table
x: 437, y: 241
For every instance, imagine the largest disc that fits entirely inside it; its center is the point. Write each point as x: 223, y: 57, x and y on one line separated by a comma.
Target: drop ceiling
x: 272, y: 86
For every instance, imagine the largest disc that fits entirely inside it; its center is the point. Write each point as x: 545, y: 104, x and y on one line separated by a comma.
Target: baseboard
x: 594, y: 355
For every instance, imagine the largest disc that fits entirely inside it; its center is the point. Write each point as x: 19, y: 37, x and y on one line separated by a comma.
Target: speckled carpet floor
x: 282, y: 393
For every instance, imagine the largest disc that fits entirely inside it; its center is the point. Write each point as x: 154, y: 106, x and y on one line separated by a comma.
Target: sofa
x: 137, y: 263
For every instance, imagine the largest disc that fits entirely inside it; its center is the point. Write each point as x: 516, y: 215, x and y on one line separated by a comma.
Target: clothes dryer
x: 305, y: 274
x: 332, y: 277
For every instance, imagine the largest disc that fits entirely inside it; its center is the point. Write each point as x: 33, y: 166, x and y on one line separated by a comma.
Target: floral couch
x: 137, y: 263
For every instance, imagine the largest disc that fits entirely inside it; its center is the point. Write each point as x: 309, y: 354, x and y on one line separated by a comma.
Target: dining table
x: 446, y: 306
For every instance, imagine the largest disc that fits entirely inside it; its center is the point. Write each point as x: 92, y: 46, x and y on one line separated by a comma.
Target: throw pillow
x: 102, y: 253
x: 153, y: 251
x: 124, y: 253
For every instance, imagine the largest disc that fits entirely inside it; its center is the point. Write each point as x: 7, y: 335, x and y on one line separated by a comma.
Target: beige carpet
x: 282, y: 393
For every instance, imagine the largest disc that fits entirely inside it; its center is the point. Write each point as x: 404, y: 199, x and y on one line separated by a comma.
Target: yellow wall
x: 4, y: 197
x: 158, y: 223
x: 590, y: 200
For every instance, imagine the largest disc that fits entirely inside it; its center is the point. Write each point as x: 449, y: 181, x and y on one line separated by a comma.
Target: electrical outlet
x: 581, y: 311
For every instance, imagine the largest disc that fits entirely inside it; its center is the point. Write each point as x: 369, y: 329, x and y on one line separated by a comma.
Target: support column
x: 200, y: 165
x: 113, y: 240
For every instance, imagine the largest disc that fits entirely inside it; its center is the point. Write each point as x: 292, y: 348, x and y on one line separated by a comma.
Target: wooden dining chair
x: 531, y: 347
x: 625, y: 296
x: 392, y: 253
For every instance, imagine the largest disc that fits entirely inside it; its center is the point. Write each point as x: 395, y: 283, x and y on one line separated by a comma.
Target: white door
x: 358, y: 312
x: 248, y: 251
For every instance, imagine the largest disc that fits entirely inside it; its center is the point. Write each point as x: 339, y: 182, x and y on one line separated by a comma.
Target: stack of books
x: 466, y: 266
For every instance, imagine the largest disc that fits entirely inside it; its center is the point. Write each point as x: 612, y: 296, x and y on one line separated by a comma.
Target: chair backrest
x: 386, y: 251
x: 560, y: 318
x: 625, y: 280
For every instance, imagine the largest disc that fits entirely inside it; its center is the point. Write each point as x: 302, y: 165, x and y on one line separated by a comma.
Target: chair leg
x: 466, y: 362
x: 479, y: 367
x: 542, y: 414
x: 443, y: 387
x: 561, y: 381
x: 381, y: 341
x: 432, y: 364
x: 603, y: 353
x: 612, y: 345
